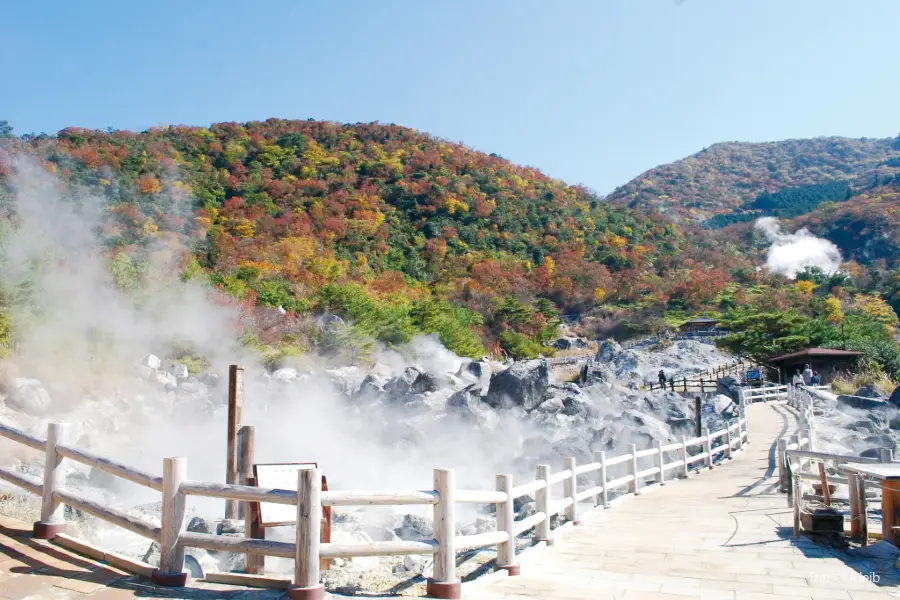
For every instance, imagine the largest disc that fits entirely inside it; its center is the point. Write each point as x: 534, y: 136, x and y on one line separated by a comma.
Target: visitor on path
x: 815, y: 379
x: 798, y: 379
x: 662, y: 379
x: 807, y: 374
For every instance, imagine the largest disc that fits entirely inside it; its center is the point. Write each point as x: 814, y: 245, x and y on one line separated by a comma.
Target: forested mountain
x: 400, y: 233
x: 729, y: 178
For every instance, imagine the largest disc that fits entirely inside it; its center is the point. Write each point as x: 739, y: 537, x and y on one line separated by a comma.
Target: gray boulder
x: 607, y: 351
x: 29, y: 397
x: 411, y: 381
x: 415, y: 528
x: 563, y: 343
x: 895, y: 397
x: 475, y: 369
x: 863, y: 402
x: 871, y: 391
x: 729, y: 386
x: 523, y: 384
x: 551, y: 406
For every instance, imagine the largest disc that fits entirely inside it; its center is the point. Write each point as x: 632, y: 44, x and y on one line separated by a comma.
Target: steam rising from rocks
x: 790, y: 253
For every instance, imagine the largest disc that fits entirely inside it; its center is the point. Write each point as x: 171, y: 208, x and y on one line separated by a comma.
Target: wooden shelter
x: 827, y: 362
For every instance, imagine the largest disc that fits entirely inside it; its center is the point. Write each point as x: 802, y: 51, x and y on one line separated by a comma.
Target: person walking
x: 798, y: 379
x: 807, y: 374
x: 662, y: 379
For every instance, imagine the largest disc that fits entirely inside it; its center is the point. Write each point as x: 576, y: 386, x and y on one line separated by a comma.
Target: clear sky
x: 592, y: 91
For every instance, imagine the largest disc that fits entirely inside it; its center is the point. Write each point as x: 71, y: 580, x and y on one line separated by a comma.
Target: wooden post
x: 672, y: 383
x: 864, y: 534
x: 245, y: 445
x: 52, y: 518
x: 701, y: 385
x: 171, y: 561
x: 570, y: 486
x: 603, y: 498
x: 885, y: 455
x: 444, y: 583
x: 855, y: 519
x: 779, y: 462
x: 823, y: 481
x: 506, y: 552
x: 684, y: 457
x: 698, y: 415
x: 684, y: 383
x: 253, y: 529
x: 235, y: 417
x: 709, y: 456
x: 890, y: 505
x: 633, y: 484
x: 309, y: 529
x: 542, y: 503
x: 661, y: 462
x: 797, y: 508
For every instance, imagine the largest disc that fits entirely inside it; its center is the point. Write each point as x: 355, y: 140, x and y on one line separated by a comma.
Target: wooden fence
x: 706, y: 381
x: 606, y: 476
x: 796, y: 458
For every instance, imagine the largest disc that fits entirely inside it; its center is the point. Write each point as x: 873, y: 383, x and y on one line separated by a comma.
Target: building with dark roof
x: 827, y: 362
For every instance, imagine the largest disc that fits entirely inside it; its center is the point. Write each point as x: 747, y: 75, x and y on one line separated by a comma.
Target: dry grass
x: 848, y: 383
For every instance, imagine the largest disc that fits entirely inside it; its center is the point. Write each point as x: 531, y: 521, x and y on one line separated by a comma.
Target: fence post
x: 633, y: 484
x: 779, y: 462
x: 684, y: 383
x: 672, y: 384
x: 701, y: 385
x: 542, y: 501
x: 309, y: 530
x: 885, y: 455
x: 506, y: 521
x: 797, y: 496
x: 684, y: 457
x: 52, y: 518
x: 171, y: 553
x: 603, y: 498
x: 570, y: 487
x: 660, y: 458
x: 727, y: 441
x: 709, y: 456
x: 698, y: 415
x: 235, y: 417
x: 246, y: 442
x: 444, y: 583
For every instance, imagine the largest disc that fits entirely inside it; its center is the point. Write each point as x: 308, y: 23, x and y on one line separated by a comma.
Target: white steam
x: 790, y: 253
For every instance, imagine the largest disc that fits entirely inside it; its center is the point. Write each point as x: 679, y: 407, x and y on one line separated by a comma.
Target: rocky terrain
x: 861, y: 423
x: 385, y: 426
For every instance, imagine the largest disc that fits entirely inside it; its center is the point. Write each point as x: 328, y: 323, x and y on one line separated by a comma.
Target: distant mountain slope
x: 725, y: 177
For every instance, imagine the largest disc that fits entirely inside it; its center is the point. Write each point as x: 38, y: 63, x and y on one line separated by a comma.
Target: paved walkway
x: 726, y: 534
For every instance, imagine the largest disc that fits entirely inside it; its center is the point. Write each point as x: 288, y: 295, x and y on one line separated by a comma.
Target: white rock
x: 180, y: 371
x: 286, y: 374
x: 152, y: 361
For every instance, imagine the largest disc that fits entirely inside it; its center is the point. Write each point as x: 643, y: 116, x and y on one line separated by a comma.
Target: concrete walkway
x: 723, y: 535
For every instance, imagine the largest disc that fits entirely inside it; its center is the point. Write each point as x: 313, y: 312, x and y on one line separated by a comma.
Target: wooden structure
x: 888, y: 475
x: 706, y: 381
x: 699, y: 326
x: 610, y: 476
x: 827, y: 362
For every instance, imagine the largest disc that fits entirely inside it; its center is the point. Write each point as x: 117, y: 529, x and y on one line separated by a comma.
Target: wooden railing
x: 706, y: 381
x: 794, y: 457
x: 605, y: 477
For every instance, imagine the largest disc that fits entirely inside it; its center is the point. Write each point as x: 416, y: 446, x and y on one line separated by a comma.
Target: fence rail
x: 593, y: 482
x: 794, y: 456
x: 706, y: 381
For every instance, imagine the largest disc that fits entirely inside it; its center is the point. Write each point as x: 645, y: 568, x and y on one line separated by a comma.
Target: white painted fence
x: 599, y: 479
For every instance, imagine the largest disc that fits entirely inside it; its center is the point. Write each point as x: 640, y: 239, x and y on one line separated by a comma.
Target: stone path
x: 725, y: 535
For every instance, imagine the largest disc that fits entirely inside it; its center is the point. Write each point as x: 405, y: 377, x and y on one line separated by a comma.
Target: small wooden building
x: 827, y: 362
x: 698, y: 325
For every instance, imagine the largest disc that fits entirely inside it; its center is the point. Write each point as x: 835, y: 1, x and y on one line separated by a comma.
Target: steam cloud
x: 790, y: 253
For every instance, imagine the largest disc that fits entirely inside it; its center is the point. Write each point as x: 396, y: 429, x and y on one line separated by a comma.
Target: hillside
x: 378, y: 223
x: 728, y: 178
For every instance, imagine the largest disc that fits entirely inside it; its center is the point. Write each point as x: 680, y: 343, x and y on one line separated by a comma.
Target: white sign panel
x: 283, y: 477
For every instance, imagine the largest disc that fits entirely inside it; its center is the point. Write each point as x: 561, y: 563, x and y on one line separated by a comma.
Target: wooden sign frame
x: 256, y: 528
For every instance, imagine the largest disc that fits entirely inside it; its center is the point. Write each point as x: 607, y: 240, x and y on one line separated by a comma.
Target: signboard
x: 281, y: 476
x: 754, y: 375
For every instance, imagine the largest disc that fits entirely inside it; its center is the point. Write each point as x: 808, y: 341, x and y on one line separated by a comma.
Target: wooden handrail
x: 307, y: 550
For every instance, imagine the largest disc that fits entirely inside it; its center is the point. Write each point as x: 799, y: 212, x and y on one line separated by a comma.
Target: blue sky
x: 592, y: 91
